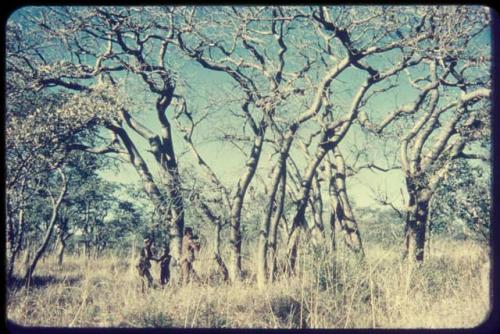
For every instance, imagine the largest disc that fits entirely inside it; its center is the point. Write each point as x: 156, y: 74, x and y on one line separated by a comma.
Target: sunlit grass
x: 329, y: 291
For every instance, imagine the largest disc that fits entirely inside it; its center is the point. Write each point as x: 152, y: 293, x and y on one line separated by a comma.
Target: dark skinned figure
x: 144, y: 264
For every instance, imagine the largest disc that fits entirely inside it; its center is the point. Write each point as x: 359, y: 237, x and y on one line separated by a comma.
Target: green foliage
x: 380, y: 225
x: 462, y: 203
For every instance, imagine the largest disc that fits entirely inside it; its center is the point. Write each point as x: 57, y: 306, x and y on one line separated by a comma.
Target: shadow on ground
x: 42, y: 281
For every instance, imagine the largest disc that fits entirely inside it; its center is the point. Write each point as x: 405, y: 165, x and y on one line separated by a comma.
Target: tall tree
x: 448, y: 114
x: 258, y: 67
x: 100, y: 45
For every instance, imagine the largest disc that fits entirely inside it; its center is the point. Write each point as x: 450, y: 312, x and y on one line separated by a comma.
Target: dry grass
x: 449, y: 291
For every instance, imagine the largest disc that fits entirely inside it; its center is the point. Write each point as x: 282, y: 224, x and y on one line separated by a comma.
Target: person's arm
x: 150, y: 255
x: 195, y: 245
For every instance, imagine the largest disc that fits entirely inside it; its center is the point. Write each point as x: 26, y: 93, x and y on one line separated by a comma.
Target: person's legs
x: 164, y: 276
x: 186, y: 269
x: 149, y: 277
x: 142, y: 278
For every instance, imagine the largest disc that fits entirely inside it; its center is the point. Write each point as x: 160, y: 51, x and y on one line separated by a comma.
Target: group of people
x: 190, y: 245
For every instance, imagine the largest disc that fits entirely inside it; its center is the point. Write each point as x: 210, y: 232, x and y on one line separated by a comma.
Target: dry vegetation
x: 451, y: 290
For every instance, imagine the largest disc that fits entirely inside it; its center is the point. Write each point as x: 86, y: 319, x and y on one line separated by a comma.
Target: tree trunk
x: 216, y: 220
x: 299, y: 217
x: 10, y: 241
x: 332, y: 233
x: 340, y: 205
x: 27, y: 253
x: 269, y: 225
x: 272, y: 206
x: 217, y: 256
x: 60, y: 253
x: 86, y: 249
x: 415, y: 228
x: 273, y: 236
x: 61, y: 232
x: 176, y: 212
x: 235, y: 272
x: 14, y: 244
x: 164, y: 153
x: 222, y: 267
x: 55, y: 211
x: 293, y: 246
x: 316, y: 203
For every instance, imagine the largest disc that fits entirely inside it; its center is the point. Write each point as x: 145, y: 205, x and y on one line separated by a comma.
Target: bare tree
x: 447, y: 115
x: 297, y: 72
x: 56, y: 203
x: 259, y: 76
x: 100, y: 44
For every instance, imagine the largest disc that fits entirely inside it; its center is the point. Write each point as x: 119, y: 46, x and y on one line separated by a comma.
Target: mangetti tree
x: 447, y: 115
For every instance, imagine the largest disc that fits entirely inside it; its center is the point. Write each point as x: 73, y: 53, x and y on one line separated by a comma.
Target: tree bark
x: 14, y: 244
x: 60, y: 252
x: 272, y: 206
x: 345, y: 214
x: 333, y: 244
x: 299, y: 217
x: 55, y: 211
x: 273, y: 236
x: 159, y: 200
x: 415, y: 227
x: 235, y: 272
x: 316, y: 202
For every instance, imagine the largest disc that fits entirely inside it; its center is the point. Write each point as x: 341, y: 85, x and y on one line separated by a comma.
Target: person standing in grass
x: 144, y: 264
x: 164, y: 260
x: 189, y: 246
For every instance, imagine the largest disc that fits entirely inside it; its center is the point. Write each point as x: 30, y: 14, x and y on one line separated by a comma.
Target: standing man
x: 145, y: 263
x: 164, y: 260
x: 189, y: 246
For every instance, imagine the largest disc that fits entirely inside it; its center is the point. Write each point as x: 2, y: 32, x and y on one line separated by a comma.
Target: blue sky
x: 207, y: 89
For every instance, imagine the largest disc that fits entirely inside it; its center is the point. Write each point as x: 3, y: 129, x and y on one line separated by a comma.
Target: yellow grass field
x: 451, y: 290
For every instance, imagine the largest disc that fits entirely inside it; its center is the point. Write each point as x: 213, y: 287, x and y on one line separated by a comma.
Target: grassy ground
x: 450, y: 290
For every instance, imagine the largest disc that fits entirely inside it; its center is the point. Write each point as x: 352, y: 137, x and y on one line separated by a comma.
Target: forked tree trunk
x: 340, y: 204
x: 269, y: 225
x: 299, y: 222
x: 165, y: 156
